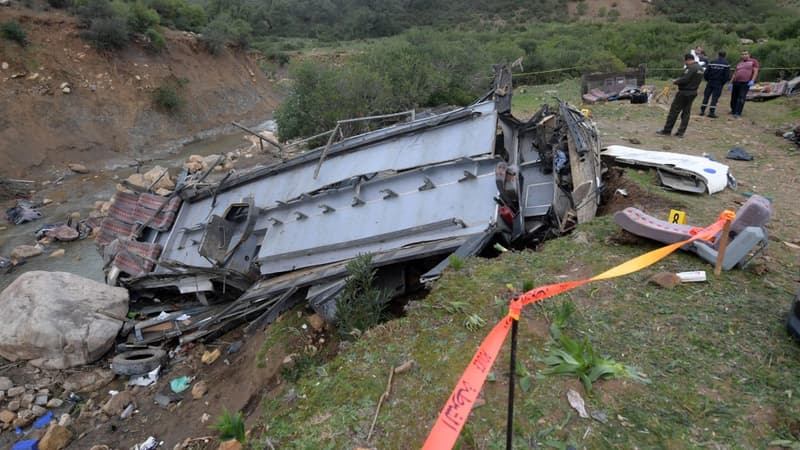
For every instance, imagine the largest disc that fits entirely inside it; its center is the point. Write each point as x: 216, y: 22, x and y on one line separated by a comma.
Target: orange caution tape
x: 454, y: 415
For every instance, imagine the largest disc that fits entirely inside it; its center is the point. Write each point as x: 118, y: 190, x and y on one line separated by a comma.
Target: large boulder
x: 59, y: 320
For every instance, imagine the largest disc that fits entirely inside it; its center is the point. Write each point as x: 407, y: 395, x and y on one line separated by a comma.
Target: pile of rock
x: 21, y: 405
x: 219, y: 163
x: 157, y: 180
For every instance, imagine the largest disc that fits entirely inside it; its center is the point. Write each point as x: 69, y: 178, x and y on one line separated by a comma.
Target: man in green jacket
x: 682, y: 103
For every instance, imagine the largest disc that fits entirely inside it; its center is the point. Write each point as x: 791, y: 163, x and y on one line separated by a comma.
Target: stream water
x: 78, y: 193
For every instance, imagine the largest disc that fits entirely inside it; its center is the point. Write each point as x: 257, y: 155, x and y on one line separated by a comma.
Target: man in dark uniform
x: 682, y: 103
x: 717, y: 73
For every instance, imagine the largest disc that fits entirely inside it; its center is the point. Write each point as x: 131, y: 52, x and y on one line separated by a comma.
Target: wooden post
x: 723, y: 244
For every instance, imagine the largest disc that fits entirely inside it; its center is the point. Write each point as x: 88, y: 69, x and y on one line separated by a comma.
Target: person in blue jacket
x: 717, y: 73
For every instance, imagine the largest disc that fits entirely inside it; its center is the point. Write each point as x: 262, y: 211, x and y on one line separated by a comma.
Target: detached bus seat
x: 747, y: 233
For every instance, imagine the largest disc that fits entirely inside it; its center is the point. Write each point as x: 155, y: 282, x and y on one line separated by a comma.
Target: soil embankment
x: 108, y: 111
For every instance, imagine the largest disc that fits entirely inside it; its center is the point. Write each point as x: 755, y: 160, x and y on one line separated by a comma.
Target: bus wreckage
x: 260, y: 241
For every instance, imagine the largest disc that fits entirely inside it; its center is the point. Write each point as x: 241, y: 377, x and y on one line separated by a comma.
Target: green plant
x: 361, y: 305
x: 613, y: 15
x: 230, y: 426
x: 578, y: 358
x: 108, y: 33
x: 13, y: 31
x: 142, y: 18
x: 456, y: 262
x: 474, y: 322
x: 169, y: 97
x: 155, y: 40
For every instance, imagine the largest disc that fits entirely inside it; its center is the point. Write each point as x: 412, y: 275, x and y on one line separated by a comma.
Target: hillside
x: 109, y: 112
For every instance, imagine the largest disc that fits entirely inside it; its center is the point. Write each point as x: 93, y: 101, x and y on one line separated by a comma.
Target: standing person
x: 744, y: 76
x: 717, y: 73
x: 682, y: 103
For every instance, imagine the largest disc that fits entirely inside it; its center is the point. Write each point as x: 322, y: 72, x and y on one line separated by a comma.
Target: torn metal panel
x: 677, y: 171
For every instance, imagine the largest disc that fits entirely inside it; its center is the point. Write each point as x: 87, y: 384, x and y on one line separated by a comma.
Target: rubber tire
x: 137, y: 362
x: 793, y: 324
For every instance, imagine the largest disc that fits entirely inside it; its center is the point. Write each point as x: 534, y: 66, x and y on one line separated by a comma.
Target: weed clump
x: 567, y: 356
x: 230, y: 426
x: 361, y: 305
x: 13, y: 31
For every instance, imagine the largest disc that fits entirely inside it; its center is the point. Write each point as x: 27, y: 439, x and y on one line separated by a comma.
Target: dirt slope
x: 109, y: 113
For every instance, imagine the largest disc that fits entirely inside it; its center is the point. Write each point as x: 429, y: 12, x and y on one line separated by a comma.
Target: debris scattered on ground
x: 692, y: 276
x: 576, y: 402
x: 739, y: 153
x: 24, y: 211
x: 180, y: 384
x: 210, y: 356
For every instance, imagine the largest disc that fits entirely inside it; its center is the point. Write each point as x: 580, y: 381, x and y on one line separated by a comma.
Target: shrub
x: 13, y: 31
x: 108, y: 33
x: 169, y: 96
x: 613, y: 15
x: 155, y: 41
x: 361, y: 305
x: 142, y: 18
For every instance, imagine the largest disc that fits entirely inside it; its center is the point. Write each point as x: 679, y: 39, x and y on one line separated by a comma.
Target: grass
x: 723, y: 371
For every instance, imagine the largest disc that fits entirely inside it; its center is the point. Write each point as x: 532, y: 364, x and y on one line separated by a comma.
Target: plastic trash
x: 692, y: 276
x: 145, y: 380
x: 29, y: 444
x: 150, y: 444
x: 43, y: 421
x: 181, y: 384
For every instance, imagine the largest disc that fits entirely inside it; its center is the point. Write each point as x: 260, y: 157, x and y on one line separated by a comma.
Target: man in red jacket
x: 744, y: 76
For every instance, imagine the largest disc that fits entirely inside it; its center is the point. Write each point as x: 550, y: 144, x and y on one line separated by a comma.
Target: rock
x: 46, y: 201
x: 26, y: 400
x: 38, y: 411
x: 56, y: 438
x: 199, y: 390
x: 6, y: 383
x: 59, y: 320
x: 137, y: 179
x: 100, y: 447
x: 634, y: 141
x: 88, y: 381
x: 317, y: 322
x: 24, y: 418
x: 193, y: 166
x: 15, y: 391
x: 289, y: 360
x: 4, y: 65
x: 227, y: 166
x: 26, y: 251
x: 230, y: 445
x: 745, y: 41
x: 54, y: 403
x: 78, y: 168
x: 665, y: 279
x: 66, y: 90
x: 63, y: 85
x: 13, y: 405
x: 65, y: 420
x: 164, y: 182
x: 40, y: 400
x: 64, y: 233
x: 7, y: 416
x: 57, y: 254
x: 163, y: 192
x: 117, y: 403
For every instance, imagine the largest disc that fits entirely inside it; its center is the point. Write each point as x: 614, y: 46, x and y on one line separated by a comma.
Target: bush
x: 155, y: 41
x: 142, y: 18
x: 108, y: 33
x: 13, y: 31
x: 169, y: 96
x: 361, y: 305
